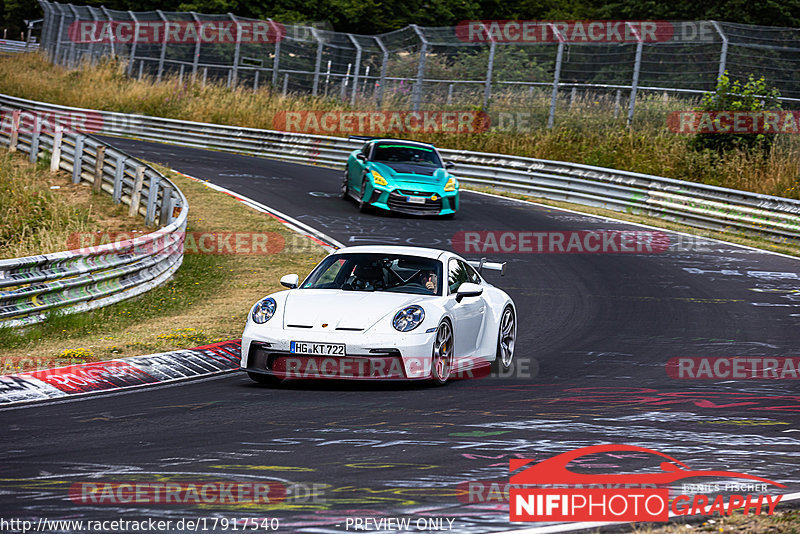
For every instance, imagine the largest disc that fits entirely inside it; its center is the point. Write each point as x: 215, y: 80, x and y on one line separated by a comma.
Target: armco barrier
x: 690, y: 203
x: 80, y: 280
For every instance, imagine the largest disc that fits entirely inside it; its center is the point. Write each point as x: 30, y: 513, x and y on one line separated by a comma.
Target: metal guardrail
x: 17, y: 46
x: 693, y: 204
x: 95, y: 276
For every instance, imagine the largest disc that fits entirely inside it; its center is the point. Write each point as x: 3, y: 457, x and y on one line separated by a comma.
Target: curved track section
x: 596, y: 332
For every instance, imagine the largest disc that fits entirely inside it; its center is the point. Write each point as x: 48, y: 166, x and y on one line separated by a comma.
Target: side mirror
x: 449, y: 165
x: 291, y: 281
x: 361, y: 156
x: 468, y: 289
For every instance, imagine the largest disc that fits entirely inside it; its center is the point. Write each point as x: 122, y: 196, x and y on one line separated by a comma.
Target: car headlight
x: 451, y: 184
x: 378, y: 179
x: 264, y: 310
x: 408, y: 318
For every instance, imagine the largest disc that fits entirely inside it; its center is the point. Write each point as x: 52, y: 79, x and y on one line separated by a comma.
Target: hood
x: 342, y: 309
x: 411, y: 173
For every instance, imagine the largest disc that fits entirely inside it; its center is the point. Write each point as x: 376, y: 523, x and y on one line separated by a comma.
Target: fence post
x: 73, y: 60
x: 132, y: 59
x: 487, y: 88
x: 55, y: 158
x: 636, y: 66
x: 277, y: 59
x: 285, y: 83
x: 77, y: 160
x: 556, y: 76
x: 196, y: 56
x: 166, y: 205
x: 236, y: 51
x: 317, y: 61
x: 723, y: 54
x: 355, y: 71
x: 136, y: 194
x: 110, y: 19
x: 617, y: 101
x: 12, y: 144
x: 416, y: 93
x: 99, y: 162
x: 90, y: 49
x: 37, y: 132
x: 57, y: 48
x: 163, y: 54
x: 384, y: 66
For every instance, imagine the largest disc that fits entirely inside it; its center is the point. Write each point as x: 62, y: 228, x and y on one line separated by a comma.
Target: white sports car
x: 382, y: 312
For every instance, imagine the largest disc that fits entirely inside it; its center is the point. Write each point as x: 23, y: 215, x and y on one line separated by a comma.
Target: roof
x: 392, y: 249
x: 406, y: 141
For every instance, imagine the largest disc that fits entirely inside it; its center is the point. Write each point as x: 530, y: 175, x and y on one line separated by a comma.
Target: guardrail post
x: 99, y: 161
x: 636, y: 67
x: 163, y: 55
x: 317, y: 61
x: 77, y: 159
x: 14, y: 140
x: 37, y: 131
x: 119, y: 177
x: 132, y: 59
x: 354, y: 91
x: 723, y: 54
x: 276, y: 61
x: 152, y: 196
x: 384, y: 66
x: 55, y: 159
x: 487, y: 88
x: 236, y: 50
x: 136, y: 194
x: 551, y: 118
x: 416, y: 92
x: 166, y: 205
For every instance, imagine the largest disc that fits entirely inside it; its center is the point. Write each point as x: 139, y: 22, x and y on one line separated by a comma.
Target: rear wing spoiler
x: 484, y: 263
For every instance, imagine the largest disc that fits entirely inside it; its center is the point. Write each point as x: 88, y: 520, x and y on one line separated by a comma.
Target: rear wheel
x: 442, y: 356
x: 269, y: 380
x: 345, y: 191
x: 506, y: 337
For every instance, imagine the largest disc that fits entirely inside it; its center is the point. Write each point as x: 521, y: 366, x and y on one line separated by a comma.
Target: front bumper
x: 395, y: 199
x: 400, y: 357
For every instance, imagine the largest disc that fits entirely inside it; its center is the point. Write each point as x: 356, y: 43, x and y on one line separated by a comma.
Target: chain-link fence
x: 435, y: 68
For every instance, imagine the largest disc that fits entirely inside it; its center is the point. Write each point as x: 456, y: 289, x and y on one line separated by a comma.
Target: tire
x: 506, y: 338
x: 345, y: 190
x: 268, y: 380
x: 363, y: 206
x: 442, y: 354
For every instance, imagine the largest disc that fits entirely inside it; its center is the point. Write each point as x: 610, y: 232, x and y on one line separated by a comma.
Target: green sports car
x: 402, y: 176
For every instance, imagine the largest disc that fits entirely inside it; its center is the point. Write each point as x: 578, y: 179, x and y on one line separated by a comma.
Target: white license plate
x: 319, y: 349
x: 416, y: 200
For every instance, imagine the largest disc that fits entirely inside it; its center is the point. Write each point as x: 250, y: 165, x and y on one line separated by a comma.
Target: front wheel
x: 506, y: 337
x: 442, y: 356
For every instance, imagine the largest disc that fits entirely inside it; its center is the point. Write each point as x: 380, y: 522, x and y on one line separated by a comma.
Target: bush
x: 754, y: 95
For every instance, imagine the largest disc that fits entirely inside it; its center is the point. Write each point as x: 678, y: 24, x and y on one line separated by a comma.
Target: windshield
x: 398, y: 153
x: 377, y: 272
